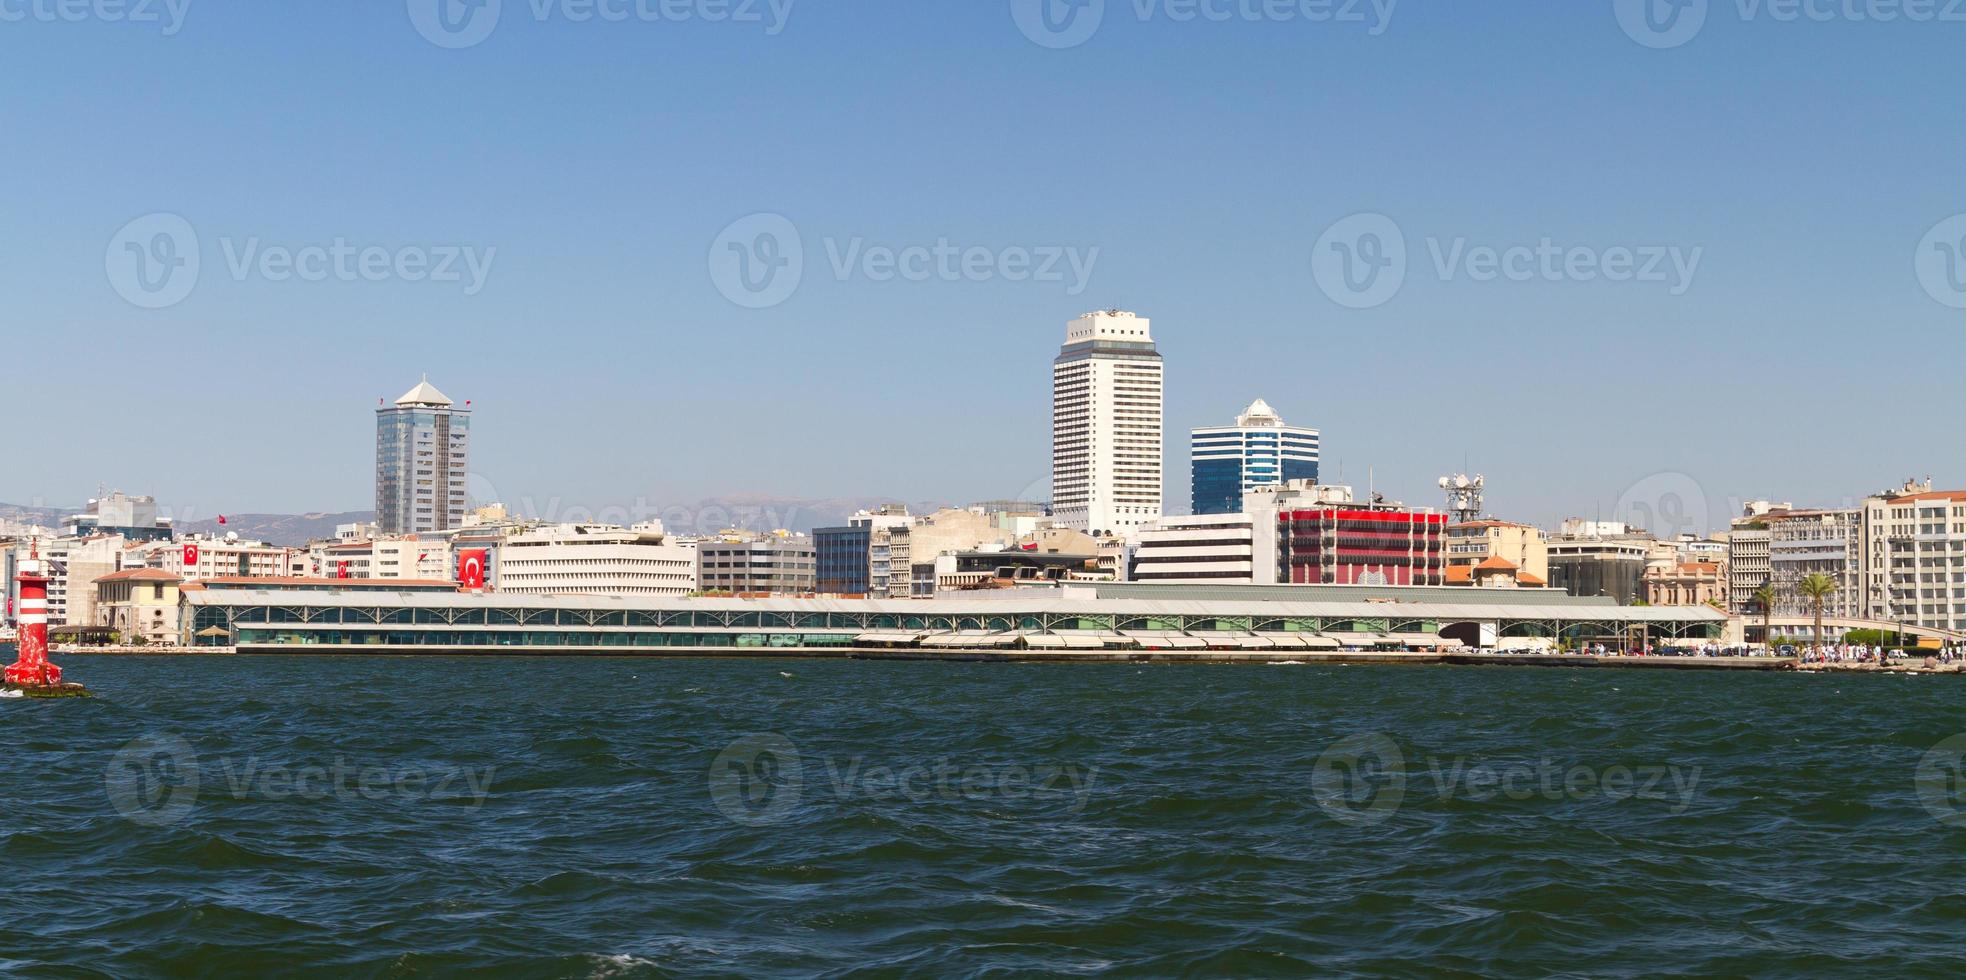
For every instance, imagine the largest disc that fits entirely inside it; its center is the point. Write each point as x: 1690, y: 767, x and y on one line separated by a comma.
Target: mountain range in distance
x: 750, y: 512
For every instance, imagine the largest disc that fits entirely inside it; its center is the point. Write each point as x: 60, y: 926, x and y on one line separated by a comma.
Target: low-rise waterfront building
x: 141, y: 605
x: 1677, y: 583
x: 780, y: 564
x: 1600, y: 558
x: 1116, y: 617
x: 1470, y: 543
x: 595, y: 559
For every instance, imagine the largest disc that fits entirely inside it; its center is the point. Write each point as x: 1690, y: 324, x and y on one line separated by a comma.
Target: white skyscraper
x: 1106, y: 425
x: 422, y: 460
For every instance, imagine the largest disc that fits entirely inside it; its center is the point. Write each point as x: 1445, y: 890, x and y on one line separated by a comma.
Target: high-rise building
x: 422, y: 458
x: 1258, y: 451
x: 1106, y: 435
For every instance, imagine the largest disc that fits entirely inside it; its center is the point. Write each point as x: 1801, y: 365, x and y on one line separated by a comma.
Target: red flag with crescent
x: 471, y: 568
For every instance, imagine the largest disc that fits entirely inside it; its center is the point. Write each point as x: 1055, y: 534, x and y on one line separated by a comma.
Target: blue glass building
x: 1258, y: 451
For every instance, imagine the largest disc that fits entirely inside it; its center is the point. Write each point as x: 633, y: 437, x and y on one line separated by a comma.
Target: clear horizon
x: 1640, y: 271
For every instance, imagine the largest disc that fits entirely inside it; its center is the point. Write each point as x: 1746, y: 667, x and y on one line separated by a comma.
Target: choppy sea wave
x: 406, y: 817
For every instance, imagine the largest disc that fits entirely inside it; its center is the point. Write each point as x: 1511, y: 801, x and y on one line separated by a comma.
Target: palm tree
x: 1816, y: 588
x: 1766, y: 597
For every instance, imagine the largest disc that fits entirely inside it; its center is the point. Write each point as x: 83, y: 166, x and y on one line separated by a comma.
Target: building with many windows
x: 1470, y: 543
x: 1802, y: 543
x: 842, y: 559
x: 140, y: 604
x: 1914, y: 556
x: 774, y: 565
x: 595, y: 559
x: 422, y: 458
x: 1106, y: 418
x: 1228, y: 461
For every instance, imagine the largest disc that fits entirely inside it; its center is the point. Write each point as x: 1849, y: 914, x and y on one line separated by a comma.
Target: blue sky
x: 597, y: 162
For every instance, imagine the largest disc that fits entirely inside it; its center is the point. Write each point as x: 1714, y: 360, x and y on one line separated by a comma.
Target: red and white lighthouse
x: 33, y: 668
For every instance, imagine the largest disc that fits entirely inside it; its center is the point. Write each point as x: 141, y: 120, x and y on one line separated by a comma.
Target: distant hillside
x: 291, y: 530
x: 755, y: 512
x: 758, y: 512
x: 44, y: 516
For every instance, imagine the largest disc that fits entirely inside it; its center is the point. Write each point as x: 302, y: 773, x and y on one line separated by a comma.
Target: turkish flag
x: 471, y: 568
x: 221, y: 518
x: 341, y: 570
x: 190, y: 557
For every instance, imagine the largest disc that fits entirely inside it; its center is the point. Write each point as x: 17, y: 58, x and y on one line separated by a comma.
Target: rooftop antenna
x: 1464, y: 495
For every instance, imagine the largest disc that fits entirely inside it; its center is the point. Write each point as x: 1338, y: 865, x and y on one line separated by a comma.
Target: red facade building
x: 1361, y: 544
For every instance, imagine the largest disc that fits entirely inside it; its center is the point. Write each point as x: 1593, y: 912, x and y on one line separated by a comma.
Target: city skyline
x: 587, y: 319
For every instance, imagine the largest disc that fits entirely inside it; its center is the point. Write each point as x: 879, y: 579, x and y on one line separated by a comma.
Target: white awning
x: 970, y: 639
x: 1044, y: 641
x: 1164, y: 640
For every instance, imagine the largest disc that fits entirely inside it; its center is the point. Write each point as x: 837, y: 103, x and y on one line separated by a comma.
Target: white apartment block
x: 596, y: 559
x: 1106, y: 425
x: 218, y: 557
x: 1914, y: 548
x: 1210, y: 549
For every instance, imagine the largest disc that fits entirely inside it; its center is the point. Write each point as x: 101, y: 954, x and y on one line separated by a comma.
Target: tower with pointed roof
x: 422, y: 461
x: 1258, y: 451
